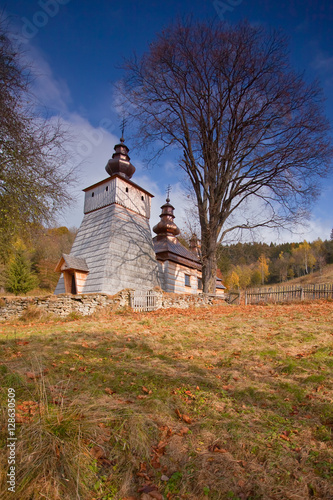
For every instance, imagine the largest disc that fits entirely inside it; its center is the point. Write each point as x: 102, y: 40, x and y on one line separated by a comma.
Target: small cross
x: 168, y: 192
x: 123, y: 128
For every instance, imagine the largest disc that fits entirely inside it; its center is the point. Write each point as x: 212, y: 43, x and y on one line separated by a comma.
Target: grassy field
x: 227, y: 402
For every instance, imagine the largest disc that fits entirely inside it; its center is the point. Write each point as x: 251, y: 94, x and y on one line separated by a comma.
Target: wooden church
x: 114, y: 249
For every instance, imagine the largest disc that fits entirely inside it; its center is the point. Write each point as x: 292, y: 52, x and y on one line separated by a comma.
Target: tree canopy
x: 250, y: 131
x: 34, y: 173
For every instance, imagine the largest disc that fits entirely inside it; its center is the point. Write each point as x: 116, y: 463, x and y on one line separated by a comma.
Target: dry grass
x: 212, y: 403
x: 316, y: 278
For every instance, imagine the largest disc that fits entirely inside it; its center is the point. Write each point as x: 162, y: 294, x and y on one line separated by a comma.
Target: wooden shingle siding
x: 97, y: 196
x: 118, y: 249
x: 174, y: 278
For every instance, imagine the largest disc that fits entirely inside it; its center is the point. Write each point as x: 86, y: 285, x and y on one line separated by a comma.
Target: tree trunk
x: 209, y: 266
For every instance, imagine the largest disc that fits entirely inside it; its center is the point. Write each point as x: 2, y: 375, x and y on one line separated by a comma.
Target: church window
x: 187, y: 280
x: 126, y: 190
x: 92, y: 194
x: 199, y: 284
x: 107, y: 188
x: 142, y: 198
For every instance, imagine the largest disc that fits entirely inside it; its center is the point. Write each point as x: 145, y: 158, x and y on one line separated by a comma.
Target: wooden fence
x: 288, y: 293
x: 143, y: 300
x: 233, y: 297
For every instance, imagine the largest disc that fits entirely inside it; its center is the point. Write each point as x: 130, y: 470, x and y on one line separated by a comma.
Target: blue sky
x: 77, y: 47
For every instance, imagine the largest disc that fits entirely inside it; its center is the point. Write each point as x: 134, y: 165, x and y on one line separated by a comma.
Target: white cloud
x: 52, y: 92
x: 93, y: 146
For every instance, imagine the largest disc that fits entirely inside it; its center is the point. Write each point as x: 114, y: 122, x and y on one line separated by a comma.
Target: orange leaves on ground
x: 36, y: 375
x: 98, y: 454
x: 159, y: 450
x: 26, y: 411
x: 216, y: 448
x: 285, y: 436
x: 187, y: 419
x: 108, y: 390
x: 184, y: 417
x: 143, y: 471
x: 182, y: 431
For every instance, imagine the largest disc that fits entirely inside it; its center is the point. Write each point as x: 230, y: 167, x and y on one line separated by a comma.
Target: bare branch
x: 245, y: 124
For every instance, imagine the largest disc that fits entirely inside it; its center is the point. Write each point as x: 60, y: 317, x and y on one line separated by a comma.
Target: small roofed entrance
x: 75, y: 271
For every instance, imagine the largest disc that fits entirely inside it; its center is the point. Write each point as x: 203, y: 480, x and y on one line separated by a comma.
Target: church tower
x: 113, y: 248
x: 179, y: 268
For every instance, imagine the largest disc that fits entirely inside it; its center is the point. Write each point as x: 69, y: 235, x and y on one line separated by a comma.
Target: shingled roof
x: 72, y: 262
x: 168, y: 248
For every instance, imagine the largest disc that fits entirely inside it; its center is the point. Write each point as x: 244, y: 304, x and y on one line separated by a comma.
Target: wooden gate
x: 143, y: 300
x: 234, y: 298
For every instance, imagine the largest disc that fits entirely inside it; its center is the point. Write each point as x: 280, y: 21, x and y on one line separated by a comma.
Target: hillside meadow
x: 226, y: 402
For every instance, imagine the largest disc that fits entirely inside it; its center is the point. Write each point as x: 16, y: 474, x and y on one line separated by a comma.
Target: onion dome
x: 166, y: 226
x: 120, y: 161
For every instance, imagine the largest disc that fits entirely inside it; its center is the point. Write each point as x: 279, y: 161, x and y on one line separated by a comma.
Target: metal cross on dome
x: 123, y: 129
x: 168, y: 192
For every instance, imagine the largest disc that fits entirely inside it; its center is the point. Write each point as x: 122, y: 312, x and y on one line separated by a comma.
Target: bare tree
x: 34, y: 169
x: 246, y: 125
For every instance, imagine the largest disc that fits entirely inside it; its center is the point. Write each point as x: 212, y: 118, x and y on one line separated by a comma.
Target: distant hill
x: 317, y: 277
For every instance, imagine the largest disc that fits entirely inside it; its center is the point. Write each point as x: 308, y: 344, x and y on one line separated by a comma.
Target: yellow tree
x: 263, y: 268
x: 304, y: 257
x: 232, y: 281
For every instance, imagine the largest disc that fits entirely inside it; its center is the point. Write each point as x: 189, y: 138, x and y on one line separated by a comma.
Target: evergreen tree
x: 20, y: 279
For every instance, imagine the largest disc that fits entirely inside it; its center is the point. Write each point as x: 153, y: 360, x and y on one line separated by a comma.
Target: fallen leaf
x: 32, y: 375
x: 156, y: 462
x: 187, y: 419
x: 156, y: 495
x: 144, y: 475
x: 178, y: 413
x: 97, y: 452
x: 108, y: 390
x: 147, y: 488
x: 216, y: 448
x: 183, y: 430
x: 283, y: 436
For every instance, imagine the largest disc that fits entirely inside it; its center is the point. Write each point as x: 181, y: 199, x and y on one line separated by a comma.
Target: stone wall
x: 86, y: 304
x: 62, y: 305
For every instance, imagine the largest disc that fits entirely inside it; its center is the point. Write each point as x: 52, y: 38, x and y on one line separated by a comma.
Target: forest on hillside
x: 253, y: 264
x: 28, y: 263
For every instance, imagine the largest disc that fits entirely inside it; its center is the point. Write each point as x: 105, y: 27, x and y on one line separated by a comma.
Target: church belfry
x: 113, y: 249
